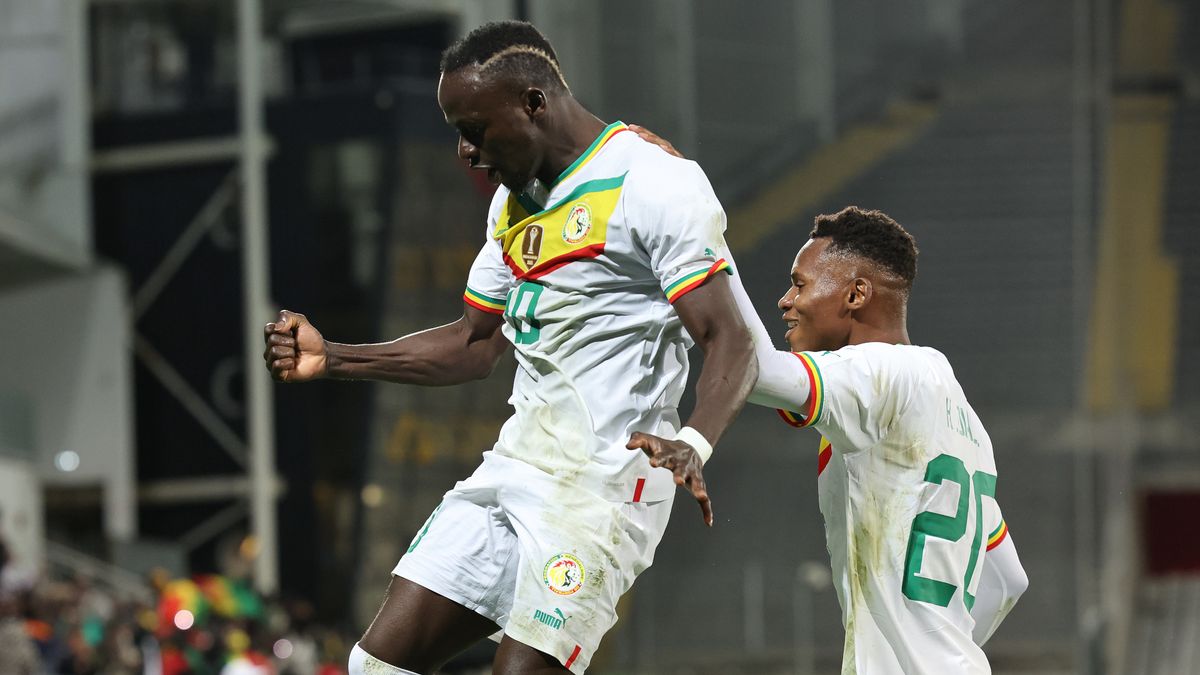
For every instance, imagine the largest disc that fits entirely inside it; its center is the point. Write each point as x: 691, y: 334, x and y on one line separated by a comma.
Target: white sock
x: 362, y: 663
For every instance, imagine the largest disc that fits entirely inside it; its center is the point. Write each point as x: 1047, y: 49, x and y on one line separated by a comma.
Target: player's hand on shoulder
x: 682, y: 461
x: 295, y: 350
x: 651, y: 137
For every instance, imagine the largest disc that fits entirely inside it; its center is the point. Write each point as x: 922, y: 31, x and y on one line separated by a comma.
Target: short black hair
x: 873, y: 235
x: 510, y: 48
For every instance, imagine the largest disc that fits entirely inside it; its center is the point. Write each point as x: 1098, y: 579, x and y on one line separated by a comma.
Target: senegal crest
x: 579, y: 223
x: 575, y: 228
x: 564, y: 574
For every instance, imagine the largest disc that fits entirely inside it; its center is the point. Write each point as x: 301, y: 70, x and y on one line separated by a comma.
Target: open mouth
x: 493, y: 174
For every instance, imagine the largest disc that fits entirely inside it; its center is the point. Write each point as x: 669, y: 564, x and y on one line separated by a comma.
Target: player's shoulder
x: 885, y: 361
x: 885, y: 351
x: 654, y: 175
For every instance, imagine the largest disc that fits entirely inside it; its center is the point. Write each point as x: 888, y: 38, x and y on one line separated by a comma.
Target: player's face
x: 495, y: 130
x: 814, y: 306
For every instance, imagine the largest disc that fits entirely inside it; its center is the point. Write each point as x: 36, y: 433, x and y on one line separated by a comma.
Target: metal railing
x: 66, y: 559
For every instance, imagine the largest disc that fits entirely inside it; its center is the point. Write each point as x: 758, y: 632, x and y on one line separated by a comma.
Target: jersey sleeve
x: 994, y: 527
x: 680, y: 224
x: 1002, y: 579
x: 856, y: 394
x: 490, y: 279
x: 782, y: 381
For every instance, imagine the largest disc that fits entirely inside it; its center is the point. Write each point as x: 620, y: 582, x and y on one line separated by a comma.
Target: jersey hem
x: 574, y: 660
x: 432, y: 583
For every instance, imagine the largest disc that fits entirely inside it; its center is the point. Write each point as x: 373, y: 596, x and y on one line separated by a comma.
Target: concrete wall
x: 21, y: 521
x: 44, y: 141
x: 65, y: 354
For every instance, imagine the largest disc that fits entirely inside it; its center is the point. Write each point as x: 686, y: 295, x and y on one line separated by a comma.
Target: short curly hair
x: 508, y: 48
x: 873, y: 235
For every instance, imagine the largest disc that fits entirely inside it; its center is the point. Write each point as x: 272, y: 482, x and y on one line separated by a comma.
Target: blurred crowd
x: 205, y: 625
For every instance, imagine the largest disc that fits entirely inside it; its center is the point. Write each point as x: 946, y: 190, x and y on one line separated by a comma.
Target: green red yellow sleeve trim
x: 790, y: 418
x: 694, y: 280
x: 816, y: 395
x: 824, y: 454
x: 997, y: 536
x: 482, y: 302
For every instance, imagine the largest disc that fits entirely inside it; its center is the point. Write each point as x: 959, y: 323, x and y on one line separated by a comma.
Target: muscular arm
x: 711, y: 317
x: 467, y: 349
x: 782, y: 382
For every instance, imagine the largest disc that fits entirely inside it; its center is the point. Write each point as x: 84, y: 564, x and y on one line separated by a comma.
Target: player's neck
x: 884, y: 319
x: 888, y: 333
x: 574, y: 131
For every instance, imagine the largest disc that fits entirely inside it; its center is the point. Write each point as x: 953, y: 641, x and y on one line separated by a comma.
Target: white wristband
x: 697, y: 441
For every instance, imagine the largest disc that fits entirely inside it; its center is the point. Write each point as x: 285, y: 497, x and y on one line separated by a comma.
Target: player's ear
x: 859, y: 293
x: 534, y: 101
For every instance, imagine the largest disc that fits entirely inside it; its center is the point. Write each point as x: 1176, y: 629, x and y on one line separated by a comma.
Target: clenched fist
x: 295, y: 349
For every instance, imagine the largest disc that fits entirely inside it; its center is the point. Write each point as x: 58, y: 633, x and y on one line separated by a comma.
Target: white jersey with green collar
x: 906, y: 484
x: 585, y: 278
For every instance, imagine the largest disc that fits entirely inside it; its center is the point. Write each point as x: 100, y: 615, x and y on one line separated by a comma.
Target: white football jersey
x: 585, y: 279
x: 907, y: 485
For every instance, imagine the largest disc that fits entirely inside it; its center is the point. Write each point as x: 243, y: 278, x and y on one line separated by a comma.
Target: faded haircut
x: 872, y: 235
x: 512, y: 49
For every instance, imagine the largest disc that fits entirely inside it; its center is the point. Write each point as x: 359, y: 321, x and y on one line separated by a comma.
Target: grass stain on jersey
x: 912, y: 455
x: 849, y: 662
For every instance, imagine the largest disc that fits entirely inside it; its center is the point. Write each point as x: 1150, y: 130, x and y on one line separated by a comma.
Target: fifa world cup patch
x: 564, y: 574
x: 531, y: 245
x: 579, y: 223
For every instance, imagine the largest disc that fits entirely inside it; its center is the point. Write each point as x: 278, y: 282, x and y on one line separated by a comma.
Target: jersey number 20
x: 928, y: 524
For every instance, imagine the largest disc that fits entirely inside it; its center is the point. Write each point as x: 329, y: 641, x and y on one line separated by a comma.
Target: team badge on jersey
x: 579, y: 223
x: 583, y: 216
x: 564, y: 574
x: 531, y: 245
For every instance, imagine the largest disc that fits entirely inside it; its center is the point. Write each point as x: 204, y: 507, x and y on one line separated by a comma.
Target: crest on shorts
x: 564, y: 574
x: 579, y: 223
x: 531, y: 246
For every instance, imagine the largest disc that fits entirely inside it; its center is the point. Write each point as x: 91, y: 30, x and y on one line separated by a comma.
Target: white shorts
x: 547, y: 561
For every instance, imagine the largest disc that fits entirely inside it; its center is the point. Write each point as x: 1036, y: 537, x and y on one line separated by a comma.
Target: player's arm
x: 467, y: 349
x: 1001, y: 583
x: 711, y: 317
x: 782, y: 381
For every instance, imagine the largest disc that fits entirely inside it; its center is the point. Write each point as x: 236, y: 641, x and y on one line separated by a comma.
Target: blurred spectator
x: 18, y: 655
x: 207, y: 625
x: 15, y: 578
